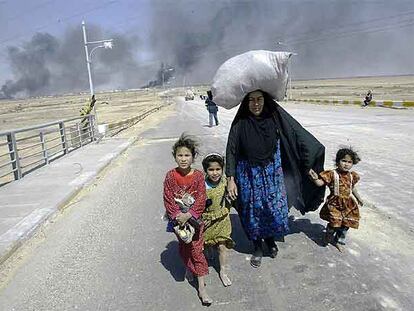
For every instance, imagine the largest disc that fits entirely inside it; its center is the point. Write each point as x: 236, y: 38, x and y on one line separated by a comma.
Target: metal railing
x: 25, y: 149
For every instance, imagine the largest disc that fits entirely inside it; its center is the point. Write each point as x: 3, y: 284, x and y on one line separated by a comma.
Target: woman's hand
x: 182, y: 218
x: 232, y: 188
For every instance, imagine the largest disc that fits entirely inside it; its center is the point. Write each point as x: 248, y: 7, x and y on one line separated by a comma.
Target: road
x: 109, y: 250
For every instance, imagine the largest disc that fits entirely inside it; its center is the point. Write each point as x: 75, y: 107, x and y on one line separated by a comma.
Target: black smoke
x: 48, y: 65
x: 331, y: 38
x: 30, y: 65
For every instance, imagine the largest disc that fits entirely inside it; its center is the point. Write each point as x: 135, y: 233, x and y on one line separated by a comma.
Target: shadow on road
x: 313, y: 231
x: 171, y: 260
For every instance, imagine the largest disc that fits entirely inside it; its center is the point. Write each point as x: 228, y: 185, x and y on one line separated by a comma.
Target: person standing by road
x: 368, y: 98
x: 268, y: 157
x: 184, y: 185
x: 212, y: 109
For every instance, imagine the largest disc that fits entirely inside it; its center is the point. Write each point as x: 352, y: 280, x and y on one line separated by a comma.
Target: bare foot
x: 189, y: 276
x: 205, y: 299
x: 225, y: 279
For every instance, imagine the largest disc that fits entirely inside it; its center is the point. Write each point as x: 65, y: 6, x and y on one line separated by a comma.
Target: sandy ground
x: 116, y: 106
x: 383, y: 88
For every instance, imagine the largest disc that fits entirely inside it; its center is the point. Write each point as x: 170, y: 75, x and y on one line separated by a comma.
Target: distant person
x: 341, y: 209
x: 185, y: 201
x: 212, y: 109
x: 368, y: 98
x: 216, y: 216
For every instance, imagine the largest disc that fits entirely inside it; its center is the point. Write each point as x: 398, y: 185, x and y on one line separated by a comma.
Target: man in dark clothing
x: 212, y: 109
x: 367, y: 99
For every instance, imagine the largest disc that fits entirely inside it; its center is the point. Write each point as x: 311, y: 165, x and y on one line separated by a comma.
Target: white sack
x: 250, y: 71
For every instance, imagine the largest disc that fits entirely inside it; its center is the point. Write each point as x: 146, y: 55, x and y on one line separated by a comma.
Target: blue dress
x: 263, y: 202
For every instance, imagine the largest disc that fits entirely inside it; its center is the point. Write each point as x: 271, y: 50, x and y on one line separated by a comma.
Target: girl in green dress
x: 216, y: 216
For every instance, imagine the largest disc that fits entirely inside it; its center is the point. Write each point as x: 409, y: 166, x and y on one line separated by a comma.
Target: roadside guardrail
x: 25, y: 149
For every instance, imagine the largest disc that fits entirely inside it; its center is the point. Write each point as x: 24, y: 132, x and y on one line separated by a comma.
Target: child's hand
x: 182, y: 218
x: 313, y: 174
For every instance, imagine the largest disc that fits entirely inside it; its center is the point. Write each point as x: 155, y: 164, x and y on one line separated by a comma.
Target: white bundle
x: 250, y: 71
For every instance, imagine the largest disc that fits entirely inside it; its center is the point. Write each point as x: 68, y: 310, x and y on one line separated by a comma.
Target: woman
x: 269, y: 155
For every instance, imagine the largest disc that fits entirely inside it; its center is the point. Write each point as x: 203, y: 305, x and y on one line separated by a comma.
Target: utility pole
x: 106, y: 44
x: 88, y: 61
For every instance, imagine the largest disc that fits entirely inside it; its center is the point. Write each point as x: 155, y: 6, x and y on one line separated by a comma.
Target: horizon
x: 42, y: 52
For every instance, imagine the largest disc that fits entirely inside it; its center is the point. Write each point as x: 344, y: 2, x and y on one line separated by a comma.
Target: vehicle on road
x: 189, y: 95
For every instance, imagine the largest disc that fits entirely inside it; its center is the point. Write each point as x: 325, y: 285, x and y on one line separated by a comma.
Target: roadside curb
x: 373, y: 103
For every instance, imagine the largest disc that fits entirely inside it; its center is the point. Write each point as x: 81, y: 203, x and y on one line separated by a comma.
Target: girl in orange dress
x: 341, y: 208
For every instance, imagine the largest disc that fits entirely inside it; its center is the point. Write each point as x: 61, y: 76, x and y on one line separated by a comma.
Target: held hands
x: 182, y: 218
x: 312, y: 174
x: 315, y: 178
x: 232, y: 188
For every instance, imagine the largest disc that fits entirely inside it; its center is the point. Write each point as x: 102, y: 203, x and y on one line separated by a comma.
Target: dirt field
x: 396, y: 88
x: 113, y: 107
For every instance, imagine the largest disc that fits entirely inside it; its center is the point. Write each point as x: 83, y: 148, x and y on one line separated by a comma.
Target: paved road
x: 109, y: 250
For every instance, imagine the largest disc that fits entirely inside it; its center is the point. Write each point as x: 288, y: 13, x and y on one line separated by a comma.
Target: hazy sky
x: 41, y: 41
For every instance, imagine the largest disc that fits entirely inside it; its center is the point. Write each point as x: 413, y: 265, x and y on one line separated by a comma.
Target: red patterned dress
x: 175, y: 185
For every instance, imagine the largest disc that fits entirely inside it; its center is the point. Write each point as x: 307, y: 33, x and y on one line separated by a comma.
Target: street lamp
x: 290, y: 73
x: 106, y: 44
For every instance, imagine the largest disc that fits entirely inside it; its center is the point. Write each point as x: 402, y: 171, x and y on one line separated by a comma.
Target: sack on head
x: 248, y: 72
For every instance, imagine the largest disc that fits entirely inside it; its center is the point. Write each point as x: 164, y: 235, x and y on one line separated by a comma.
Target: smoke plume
x: 331, y: 38
x: 48, y: 65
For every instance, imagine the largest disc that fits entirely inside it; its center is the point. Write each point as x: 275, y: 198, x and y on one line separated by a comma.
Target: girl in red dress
x: 184, y: 183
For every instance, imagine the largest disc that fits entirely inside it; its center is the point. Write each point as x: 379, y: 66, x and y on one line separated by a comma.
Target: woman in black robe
x: 269, y: 155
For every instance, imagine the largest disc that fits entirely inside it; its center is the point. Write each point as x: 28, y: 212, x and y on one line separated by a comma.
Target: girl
x: 185, y: 184
x: 341, y: 208
x: 216, y: 216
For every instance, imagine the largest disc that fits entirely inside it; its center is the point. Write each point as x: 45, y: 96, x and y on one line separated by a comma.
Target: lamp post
x: 106, y: 44
x: 290, y: 73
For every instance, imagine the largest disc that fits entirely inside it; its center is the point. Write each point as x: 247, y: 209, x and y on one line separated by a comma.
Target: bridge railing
x: 26, y: 149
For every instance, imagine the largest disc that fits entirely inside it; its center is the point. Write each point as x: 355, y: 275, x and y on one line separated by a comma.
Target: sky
x: 42, y: 52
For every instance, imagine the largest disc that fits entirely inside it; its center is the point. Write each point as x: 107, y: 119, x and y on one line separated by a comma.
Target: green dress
x: 217, y: 217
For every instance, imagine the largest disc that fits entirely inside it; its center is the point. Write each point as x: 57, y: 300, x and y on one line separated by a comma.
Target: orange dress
x: 341, y: 207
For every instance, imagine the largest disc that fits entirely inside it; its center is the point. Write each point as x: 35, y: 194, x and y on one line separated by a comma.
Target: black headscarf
x: 258, y: 135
